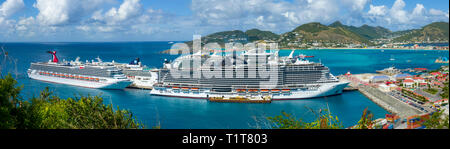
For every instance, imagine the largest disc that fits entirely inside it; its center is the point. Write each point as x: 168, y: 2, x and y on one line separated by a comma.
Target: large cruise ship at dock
x: 296, y: 77
x: 90, y: 74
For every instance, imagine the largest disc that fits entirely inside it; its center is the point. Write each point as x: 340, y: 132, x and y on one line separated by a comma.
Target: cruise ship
x: 141, y: 76
x: 296, y: 77
x: 90, y: 74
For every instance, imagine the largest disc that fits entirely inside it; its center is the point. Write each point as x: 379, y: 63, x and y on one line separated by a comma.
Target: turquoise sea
x: 174, y: 113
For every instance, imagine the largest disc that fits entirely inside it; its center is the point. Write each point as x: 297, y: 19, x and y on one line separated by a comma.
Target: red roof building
x: 418, y: 78
x: 408, y: 81
x: 420, y: 69
x: 435, y: 73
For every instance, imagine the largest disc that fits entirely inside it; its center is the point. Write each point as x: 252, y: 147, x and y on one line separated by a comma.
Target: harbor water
x: 174, y: 113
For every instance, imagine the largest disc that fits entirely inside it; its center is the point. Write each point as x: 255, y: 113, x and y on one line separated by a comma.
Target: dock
x: 380, y: 98
x: 266, y: 99
x: 388, y: 102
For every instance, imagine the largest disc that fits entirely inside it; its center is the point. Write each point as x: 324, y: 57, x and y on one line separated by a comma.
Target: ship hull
x: 328, y: 89
x: 111, y: 84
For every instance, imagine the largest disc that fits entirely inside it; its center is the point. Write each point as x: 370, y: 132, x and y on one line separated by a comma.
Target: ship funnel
x: 54, y: 58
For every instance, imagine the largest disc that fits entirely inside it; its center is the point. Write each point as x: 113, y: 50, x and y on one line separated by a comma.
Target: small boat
x: 392, y: 58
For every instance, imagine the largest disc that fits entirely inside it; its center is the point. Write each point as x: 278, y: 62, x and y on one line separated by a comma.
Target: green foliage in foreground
x: 366, y: 120
x: 51, y: 112
x: 437, y: 121
x: 324, y: 120
x: 445, y: 91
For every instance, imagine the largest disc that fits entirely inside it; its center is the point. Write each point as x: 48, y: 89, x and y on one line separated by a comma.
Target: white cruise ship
x: 297, y: 78
x: 141, y: 76
x: 91, y: 75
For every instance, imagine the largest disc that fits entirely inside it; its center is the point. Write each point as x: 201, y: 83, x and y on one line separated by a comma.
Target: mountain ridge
x: 335, y: 33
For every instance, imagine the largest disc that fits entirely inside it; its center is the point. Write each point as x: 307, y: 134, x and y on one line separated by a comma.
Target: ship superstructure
x: 241, y: 74
x: 142, y: 76
x: 95, y: 74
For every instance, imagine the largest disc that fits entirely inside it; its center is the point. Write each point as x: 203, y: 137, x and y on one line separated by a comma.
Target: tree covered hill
x: 434, y: 32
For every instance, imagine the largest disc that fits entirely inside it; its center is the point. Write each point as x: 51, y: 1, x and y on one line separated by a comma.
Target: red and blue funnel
x: 54, y: 58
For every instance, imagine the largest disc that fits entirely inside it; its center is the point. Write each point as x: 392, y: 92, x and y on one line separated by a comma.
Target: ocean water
x: 181, y: 113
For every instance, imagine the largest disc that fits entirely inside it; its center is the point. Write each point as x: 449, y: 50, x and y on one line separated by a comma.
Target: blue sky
x: 169, y: 20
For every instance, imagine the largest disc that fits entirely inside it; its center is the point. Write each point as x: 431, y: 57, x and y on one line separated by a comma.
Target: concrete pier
x: 382, y: 99
x: 387, y: 102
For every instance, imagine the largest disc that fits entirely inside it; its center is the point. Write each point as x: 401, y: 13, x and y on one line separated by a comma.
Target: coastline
x: 167, y: 51
x: 367, y: 49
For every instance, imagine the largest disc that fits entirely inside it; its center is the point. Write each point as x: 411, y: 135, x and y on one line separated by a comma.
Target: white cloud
x: 398, y: 13
x: 437, y: 12
x: 128, y: 9
x: 10, y: 7
x: 61, y: 12
x: 123, y: 18
x: 54, y: 12
x: 377, y: 10
x: 418, y: 10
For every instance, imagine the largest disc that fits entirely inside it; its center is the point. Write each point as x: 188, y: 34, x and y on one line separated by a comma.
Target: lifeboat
x: 194, y: 88
x: 275, y: 90
x: 286, y: 90
x: 96, y: 79
x: 240, y: 90
x: 264, y: 90
x: 175, y: 87
x: 185, y: 88
x: 252, y: 90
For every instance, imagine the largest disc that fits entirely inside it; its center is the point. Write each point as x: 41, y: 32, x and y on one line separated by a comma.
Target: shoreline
x: 367, y: 49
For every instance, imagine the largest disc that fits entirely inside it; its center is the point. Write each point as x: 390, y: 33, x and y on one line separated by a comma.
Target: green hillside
x: 434, y: 32
x: 316, y: 32
x: 256, y: 34
x: 366, y: 31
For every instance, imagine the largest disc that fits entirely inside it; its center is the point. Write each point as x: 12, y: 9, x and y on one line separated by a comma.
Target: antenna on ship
x: 98, y: 59
x: 291, y: 56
